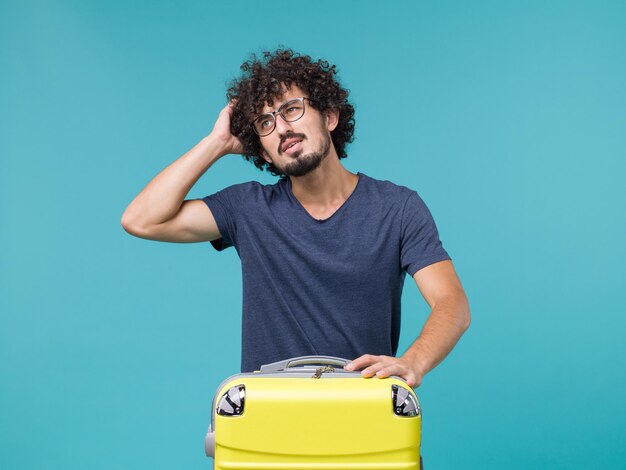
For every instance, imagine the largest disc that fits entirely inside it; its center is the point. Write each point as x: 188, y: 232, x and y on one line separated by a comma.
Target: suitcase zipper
x: 321, y: 370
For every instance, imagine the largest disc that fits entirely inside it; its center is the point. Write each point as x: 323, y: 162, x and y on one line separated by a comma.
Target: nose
x: 282, y: 126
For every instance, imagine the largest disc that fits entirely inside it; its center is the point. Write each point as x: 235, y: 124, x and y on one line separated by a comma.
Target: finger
x: 356, y: 364
x: 360, y: 362
x: 396, y: 368
x: 374, y: 368
x: 411, y: 378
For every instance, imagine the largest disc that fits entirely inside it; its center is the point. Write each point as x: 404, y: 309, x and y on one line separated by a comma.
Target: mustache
x: 288, y: 136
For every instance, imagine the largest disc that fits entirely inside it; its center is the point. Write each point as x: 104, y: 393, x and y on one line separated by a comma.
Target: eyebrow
x: 281, y: 105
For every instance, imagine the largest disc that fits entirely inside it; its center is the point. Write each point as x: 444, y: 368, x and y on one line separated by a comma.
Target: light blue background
x: 508, y: 118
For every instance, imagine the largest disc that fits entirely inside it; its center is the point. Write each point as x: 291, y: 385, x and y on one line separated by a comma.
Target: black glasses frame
x: 279, y: 111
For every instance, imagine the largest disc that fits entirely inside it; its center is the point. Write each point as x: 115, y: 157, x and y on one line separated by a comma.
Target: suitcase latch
x: 321, y: 370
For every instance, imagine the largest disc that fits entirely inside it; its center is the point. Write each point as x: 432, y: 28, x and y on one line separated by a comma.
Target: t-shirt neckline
x: 303, y: 210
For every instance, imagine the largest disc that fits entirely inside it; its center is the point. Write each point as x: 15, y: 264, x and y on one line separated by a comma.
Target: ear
x: 265, y: 156
x: 332, y: 120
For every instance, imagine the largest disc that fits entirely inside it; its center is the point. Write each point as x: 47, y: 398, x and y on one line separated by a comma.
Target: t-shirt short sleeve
x: 223, y: 206
x: 420, y: 245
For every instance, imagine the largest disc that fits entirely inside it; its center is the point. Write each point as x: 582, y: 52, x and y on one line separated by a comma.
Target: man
x: 324, y: 251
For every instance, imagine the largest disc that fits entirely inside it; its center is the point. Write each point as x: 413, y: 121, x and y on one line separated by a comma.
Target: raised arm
x: 160, y: 211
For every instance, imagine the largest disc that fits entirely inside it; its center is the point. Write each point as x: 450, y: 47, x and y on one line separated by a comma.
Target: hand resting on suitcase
x: 448, y: 319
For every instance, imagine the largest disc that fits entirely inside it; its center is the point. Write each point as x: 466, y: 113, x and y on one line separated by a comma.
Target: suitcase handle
x: 304, y: 360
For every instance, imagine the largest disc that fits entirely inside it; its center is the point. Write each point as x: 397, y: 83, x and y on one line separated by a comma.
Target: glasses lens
x: 293, y: 110
x: 264, y: 124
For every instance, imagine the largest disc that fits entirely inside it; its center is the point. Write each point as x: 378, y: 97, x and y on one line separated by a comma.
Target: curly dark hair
x: 263, y: 81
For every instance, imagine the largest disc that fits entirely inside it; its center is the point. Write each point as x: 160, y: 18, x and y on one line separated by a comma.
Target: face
x: 298, y: 147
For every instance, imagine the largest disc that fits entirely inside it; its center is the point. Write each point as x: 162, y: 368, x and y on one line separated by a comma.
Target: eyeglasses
x: 291, y: 111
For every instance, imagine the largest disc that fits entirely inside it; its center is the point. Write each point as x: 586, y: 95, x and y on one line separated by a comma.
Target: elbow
x: 131, y: 226
x: 466, y: 316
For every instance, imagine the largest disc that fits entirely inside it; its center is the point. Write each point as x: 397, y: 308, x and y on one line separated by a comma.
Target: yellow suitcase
x: 308, y: 413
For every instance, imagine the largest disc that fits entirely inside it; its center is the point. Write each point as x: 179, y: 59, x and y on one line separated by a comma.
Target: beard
x: 304, y: 164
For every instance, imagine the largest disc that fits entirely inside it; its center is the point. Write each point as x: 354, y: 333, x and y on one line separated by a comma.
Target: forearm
x: 162, y: 198
x: 448, y: 320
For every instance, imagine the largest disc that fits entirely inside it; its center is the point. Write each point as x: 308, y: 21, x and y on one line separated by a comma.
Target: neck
x: 328, y: 185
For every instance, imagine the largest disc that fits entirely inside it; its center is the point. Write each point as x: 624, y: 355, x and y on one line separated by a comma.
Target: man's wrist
x: 417, y: 360
x: 215, y: 146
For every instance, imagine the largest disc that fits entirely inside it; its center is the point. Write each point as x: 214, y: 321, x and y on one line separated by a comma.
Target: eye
x: 292, y: 109
x: 264, y: 123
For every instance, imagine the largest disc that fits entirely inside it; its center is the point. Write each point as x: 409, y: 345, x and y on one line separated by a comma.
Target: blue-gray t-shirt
x: 329, y: 287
